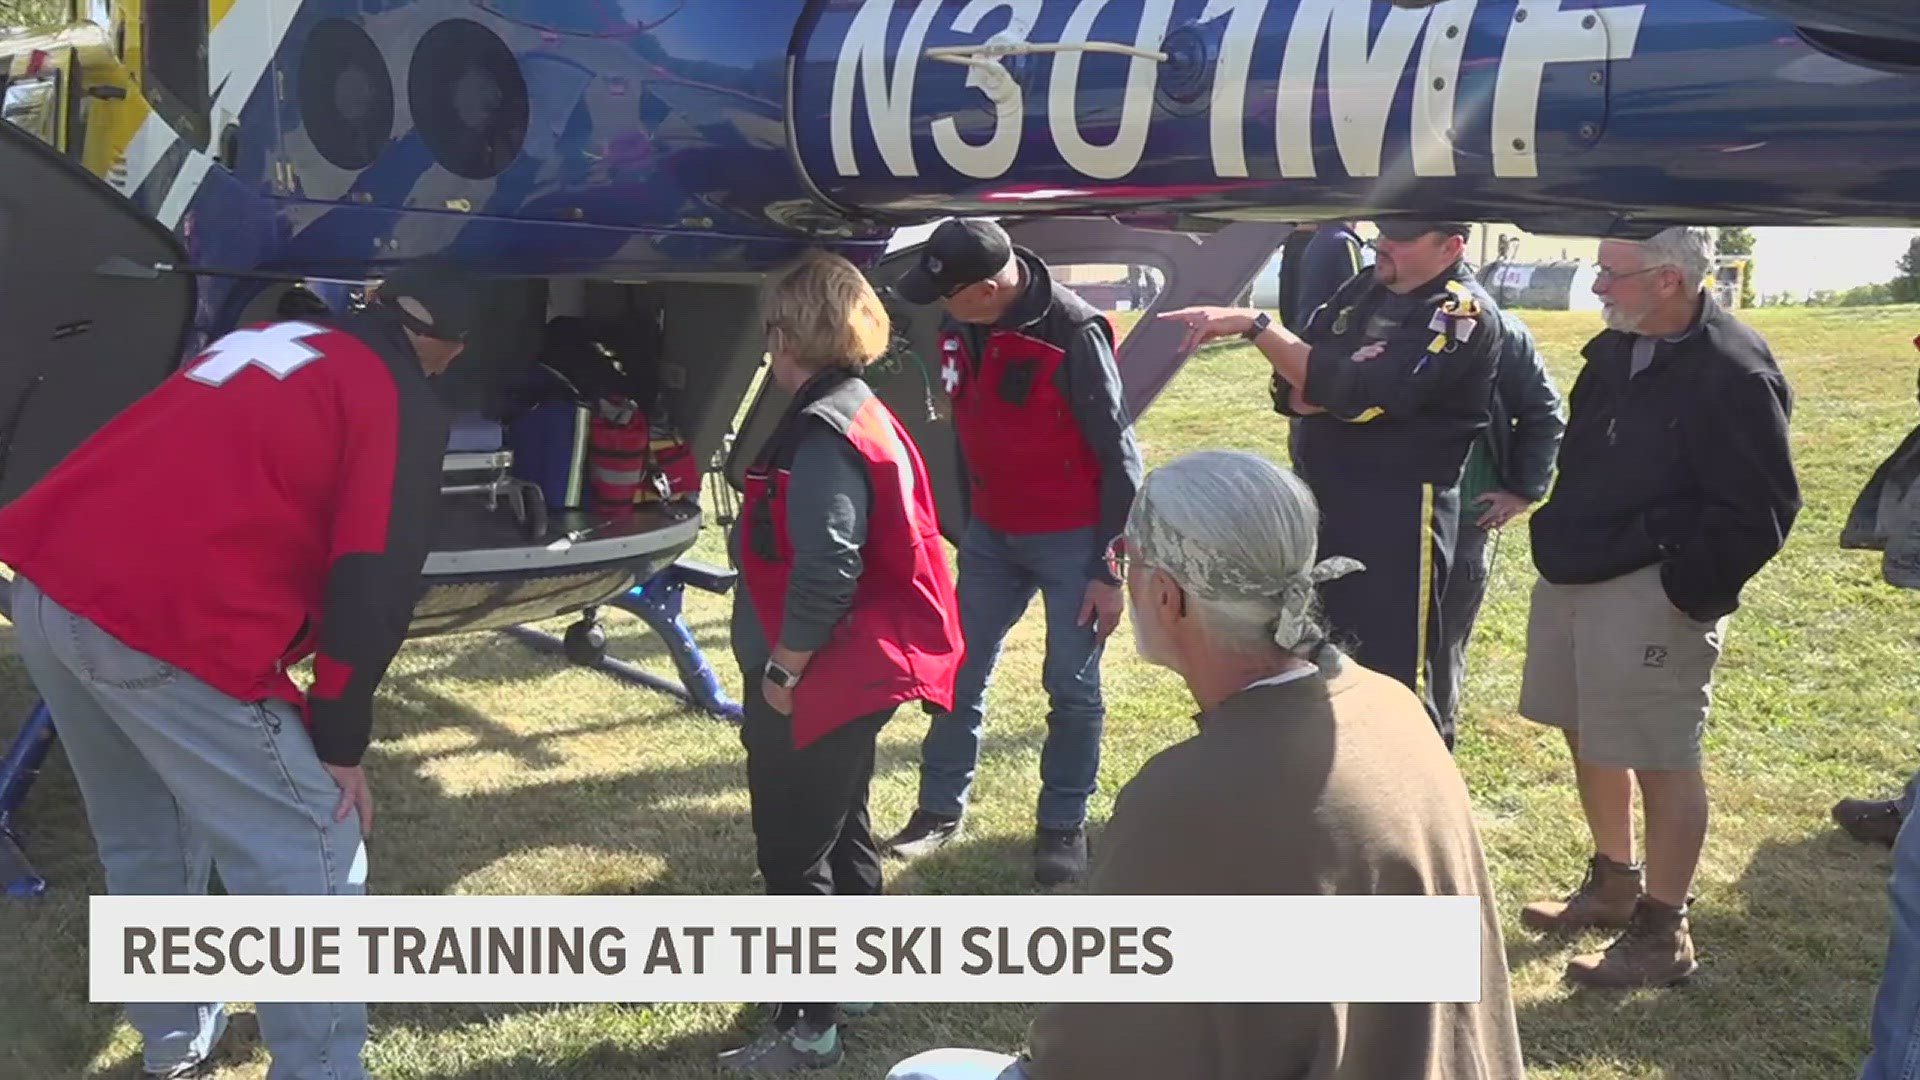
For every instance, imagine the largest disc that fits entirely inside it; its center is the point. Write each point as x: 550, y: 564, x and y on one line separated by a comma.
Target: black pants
x: 1459, y: 610
x: 1388, y: 616
x: 811, y: 830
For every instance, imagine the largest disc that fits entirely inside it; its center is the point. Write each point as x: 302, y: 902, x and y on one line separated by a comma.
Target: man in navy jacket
x: 1508, y: 470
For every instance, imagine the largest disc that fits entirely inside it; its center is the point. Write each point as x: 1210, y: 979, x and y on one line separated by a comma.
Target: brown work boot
x: 1605, y: 899
x: 1869, y: 821
x: 1655, y: 950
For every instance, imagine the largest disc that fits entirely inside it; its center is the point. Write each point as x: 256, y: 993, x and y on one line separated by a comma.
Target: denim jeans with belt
x: 1896, y: 1009
x: 178, y: 778
x: 999, y: 574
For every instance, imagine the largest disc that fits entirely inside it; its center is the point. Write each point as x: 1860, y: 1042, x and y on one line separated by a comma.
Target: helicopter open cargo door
x: 80, y: 345
x: 96, y: 315
x: 1117, y: 267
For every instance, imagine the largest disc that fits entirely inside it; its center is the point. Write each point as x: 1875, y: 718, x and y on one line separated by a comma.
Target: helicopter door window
x: 174, y: 46
x: 1112, y: 286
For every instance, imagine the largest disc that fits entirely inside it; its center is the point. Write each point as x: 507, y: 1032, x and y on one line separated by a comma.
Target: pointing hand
x: 1204, y: 324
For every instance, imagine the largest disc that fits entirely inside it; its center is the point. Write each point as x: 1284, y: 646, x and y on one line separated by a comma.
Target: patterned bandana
x: 1152, y: 540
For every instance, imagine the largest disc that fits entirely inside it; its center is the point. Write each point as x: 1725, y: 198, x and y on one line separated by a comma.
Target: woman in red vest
x: 845, y: 611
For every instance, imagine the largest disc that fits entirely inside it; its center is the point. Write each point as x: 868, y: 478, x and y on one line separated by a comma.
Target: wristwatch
x: 1261, y: 320
x: 780, y: 676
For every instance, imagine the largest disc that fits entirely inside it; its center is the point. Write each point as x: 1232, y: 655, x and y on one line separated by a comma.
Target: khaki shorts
x: 1620, y: 667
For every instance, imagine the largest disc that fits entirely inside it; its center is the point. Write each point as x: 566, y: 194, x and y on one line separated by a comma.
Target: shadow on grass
x: 996, y: 864
x: 1790, y: 956
x: 873, y: 1044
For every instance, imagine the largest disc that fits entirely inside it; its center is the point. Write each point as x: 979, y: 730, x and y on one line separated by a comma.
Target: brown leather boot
x: 1869, y: 821
x: 1605, y: 899
x: 1655, y: 950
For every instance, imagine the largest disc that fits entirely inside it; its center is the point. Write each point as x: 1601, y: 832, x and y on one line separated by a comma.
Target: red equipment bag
x: 672, y: 472
x: 617, y: 447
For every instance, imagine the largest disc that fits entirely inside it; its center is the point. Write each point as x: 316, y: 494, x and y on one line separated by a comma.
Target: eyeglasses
x: 1606, y: 276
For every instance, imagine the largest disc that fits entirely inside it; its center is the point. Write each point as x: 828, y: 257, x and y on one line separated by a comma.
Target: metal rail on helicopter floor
x: 602, y: 157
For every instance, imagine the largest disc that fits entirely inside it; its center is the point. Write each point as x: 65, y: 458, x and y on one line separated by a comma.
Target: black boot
x: 1872, y: 822
x: 1059, y: 855
x: 924, y: 834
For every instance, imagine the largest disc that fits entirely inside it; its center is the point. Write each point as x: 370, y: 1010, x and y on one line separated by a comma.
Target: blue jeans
x: 178, y: 777
x: 999, y: 573
x: 1896, y: 1009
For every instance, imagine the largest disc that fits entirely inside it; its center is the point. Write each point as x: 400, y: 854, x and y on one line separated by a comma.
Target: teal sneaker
x: 852, y: 1010
x: 802, y: 1046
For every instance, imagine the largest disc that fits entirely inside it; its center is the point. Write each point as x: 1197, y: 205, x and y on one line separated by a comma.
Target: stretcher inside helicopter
x: 565, y: 482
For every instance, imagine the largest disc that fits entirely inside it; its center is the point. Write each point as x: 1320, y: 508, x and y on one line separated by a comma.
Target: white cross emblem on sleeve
x: 278, y: 350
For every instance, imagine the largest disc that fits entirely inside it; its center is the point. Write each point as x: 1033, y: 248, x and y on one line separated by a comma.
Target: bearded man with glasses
x: 1676, y: 486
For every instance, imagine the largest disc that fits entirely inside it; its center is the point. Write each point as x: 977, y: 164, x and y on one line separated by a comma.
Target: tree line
x: 1904, y: 288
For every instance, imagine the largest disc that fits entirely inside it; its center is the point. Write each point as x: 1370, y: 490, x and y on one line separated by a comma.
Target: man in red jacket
x: 1052, y: 465
x: 317, y: 445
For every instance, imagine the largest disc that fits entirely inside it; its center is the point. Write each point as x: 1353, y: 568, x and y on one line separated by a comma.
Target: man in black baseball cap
x: 437, y: 306
x: 960, y: 268
x: 1401, y: 230
x: 1052, y: 467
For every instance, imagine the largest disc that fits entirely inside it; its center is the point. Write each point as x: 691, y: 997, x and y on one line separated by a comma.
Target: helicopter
x: 171, y: 169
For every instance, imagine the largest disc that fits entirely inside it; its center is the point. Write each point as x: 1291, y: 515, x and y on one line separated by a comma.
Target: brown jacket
x: 1317, y: 786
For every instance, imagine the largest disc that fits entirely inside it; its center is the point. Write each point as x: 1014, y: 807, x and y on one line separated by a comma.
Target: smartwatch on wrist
x: 1261, y: 321
x: 780, y: 676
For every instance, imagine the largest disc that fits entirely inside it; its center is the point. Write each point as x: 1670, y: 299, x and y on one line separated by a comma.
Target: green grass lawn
x: 497, y: 771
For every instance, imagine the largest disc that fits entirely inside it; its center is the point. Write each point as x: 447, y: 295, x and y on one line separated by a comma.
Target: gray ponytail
x: 1239, y: 534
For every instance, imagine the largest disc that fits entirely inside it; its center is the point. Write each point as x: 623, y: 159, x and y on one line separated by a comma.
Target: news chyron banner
x: 760, y: 948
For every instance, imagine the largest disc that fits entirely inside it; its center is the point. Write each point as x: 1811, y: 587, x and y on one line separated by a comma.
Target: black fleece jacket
x: 1686, y: 465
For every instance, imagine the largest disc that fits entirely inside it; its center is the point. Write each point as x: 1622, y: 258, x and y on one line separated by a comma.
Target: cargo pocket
x: 1695, y: 650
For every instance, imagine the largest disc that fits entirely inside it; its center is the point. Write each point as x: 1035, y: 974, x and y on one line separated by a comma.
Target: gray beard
x: 1616, y: 318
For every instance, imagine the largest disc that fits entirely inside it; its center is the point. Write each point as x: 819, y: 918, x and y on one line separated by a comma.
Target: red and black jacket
x: 1039, y: 412
x: 900, y: 639
x: 281, y: 487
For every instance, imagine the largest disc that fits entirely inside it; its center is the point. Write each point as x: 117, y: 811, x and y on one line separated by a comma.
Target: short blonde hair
x: 827, y: 313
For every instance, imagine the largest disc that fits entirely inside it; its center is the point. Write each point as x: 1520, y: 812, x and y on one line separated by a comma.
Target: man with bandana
x: 1221, y: 569
x: 1391, y: 381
